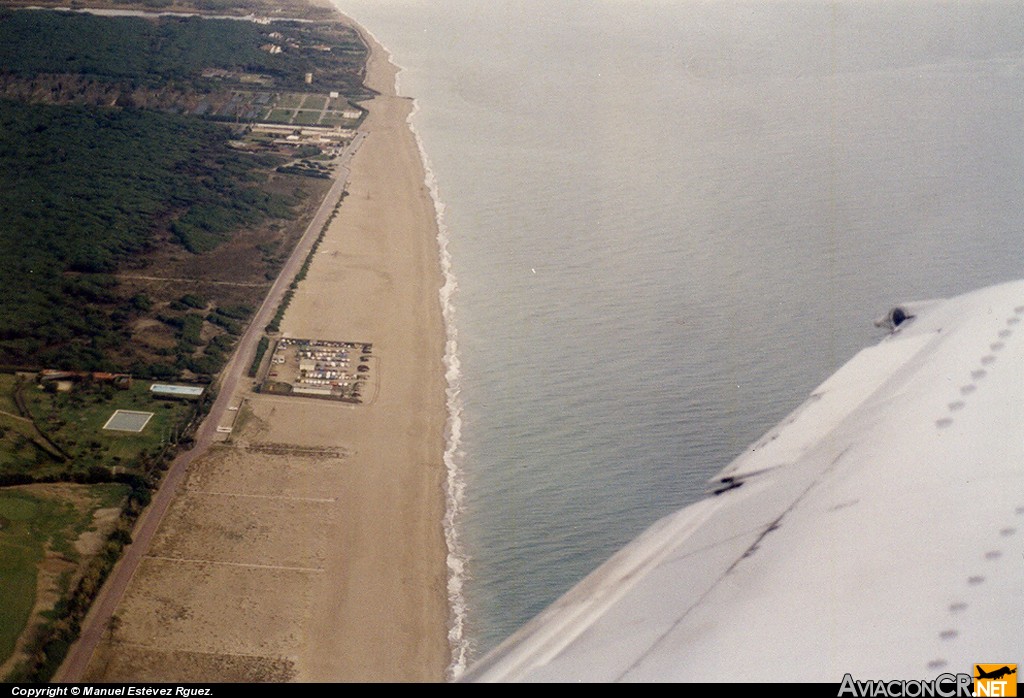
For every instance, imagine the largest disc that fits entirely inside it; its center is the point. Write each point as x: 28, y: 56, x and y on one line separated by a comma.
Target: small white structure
x: 128, y: 420
x: 179, y: 392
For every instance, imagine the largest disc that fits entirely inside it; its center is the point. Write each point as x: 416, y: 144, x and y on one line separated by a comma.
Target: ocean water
x: 666, y: 223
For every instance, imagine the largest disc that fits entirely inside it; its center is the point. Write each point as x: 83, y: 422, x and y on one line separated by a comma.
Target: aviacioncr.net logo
x: 987, y: 681
x: 942, y: 686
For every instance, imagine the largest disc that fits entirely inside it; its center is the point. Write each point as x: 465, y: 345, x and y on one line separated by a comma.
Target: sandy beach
x: 309, y: 545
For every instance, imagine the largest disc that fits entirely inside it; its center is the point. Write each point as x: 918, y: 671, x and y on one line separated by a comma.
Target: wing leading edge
x: 877, y: 530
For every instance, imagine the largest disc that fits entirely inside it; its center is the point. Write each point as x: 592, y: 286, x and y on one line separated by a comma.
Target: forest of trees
x: 91, y: 186
x: 84, y: 190
x: 172, y: 49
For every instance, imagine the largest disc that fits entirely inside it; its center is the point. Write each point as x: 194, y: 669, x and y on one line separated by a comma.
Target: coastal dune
x: 310, y: 546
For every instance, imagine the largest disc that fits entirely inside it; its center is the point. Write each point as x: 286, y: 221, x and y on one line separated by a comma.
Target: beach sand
x: 310, y: 546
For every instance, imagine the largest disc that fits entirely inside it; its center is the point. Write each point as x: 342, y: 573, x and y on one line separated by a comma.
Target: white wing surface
x: 878, y: 530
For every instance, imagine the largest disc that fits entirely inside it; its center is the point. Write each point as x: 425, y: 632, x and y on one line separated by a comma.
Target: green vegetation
x: 86, y: 189
x: 191, y: 300
x: 261, y: 349
x: 307, y: 118
x: 128, y: 47
x: 290, y: 101
x: 7, y: 402
x: 126, y: 463
x: 21, y: 550
x: 74, y: 421
x: 209, y: 220
x: 174, y: 49
x: 60, y: 435
x: 282, y: 115
x: 238, y: 312
x: 30, y: 526
x: 315, y: 102
x: 23, y: 447
x: 50, y: 641
x: 287, y: 8
x: 193, y: 322
x: 275, y: 323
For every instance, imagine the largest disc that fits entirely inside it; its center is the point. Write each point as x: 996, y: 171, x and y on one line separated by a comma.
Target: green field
x: 290, y: 101
x: 281, y: 116
x: 31, y: 525
x: 314, y: 102
x: 307, y: 118
x: 75, y: 421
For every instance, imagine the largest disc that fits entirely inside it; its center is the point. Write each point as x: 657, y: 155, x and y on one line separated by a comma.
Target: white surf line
x: 236, y: 564
x: 318, y: 500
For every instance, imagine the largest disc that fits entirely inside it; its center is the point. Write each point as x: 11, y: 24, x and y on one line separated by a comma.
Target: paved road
x: 110, y: 595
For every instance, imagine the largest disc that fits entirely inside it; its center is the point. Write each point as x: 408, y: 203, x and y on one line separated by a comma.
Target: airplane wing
x: 878, y: 531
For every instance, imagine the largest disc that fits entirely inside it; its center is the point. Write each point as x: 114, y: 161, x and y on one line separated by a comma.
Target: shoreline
x: 311, y: 545
x: 382, y: 75
x: 454, y: 483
